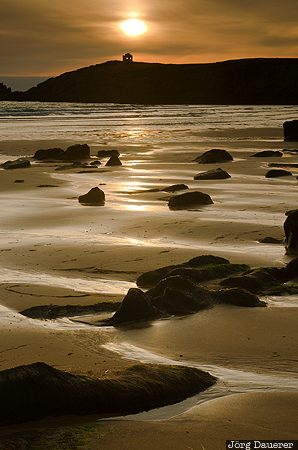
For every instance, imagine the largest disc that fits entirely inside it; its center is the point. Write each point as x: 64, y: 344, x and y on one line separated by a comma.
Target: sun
x: 133, y: 27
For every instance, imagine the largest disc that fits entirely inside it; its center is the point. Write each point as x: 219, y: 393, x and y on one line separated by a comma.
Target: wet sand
x: 54, y: 250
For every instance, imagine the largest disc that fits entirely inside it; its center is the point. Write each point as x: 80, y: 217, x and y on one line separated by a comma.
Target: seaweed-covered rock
x: 238, y: 297
x: 213, y: 174
x: 77, y: 152
x: 291, y: 231
x: 38, y: 390
x: 136, y: 306
x: 257, y: 280
x: 275, y: 173
x: 48, y: 153
x: 20, y: 163
x: 268, y: 154
x: 175, y: 188
x: 210, y: 272
x: 291, y: 130
x: 95, y: 197
x: 114, y: 161
x: 55, y: 311
x: 214, y: 156
x: 189, y: 200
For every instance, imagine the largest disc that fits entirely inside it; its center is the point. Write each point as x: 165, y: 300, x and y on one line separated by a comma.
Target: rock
x: 214, y: 156
x: 256, y: 281
x: 77, y: 152
x: 19, y: 181
x: 291, y: 130
x: 238, y: 297
x: 213, y: 174
x: 189, y: 200
x: 38, y: 390
x: 114, y: 161
x: 287, y: 164
x: 175, y: 187
x: 136, y: 306
x: 211, y: 272
x: 291, y: 231
x: 178, y: 295
x: 49, y: 312
x: 274, y: 173
x: 94, y: 197
x: 95, y: 163
x: 205, y: 260
x: 19, y: 163
x: 268, y: 154
x: 107, y: 153
x: 270, y: 240
x: 49, y: 153
x: 291, y: 270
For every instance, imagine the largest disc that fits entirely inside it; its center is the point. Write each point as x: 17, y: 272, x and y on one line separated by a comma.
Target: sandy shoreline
x: 47, y: 235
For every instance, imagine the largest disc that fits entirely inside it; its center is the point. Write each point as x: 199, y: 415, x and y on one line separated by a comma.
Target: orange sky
x: 48, y: 37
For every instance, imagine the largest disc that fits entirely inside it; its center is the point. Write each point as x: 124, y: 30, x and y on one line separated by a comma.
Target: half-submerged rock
x: 268, y: 154
x: 238, y: 297
x: 95, y: 197
x: 175, y: 188
x: 275, y: 173
x: 48, y: 153
x: 214, y: 156
x: 291, y: 130
x: 114, y: 161
x: 213, y: 174
x: 38, y: 390
x: 20, y: 163
x: 77, y: 152
x: 190, y: 200
x: 291, y: 231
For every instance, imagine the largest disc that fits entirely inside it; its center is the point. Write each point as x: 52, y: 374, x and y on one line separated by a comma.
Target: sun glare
x: 133, y: 27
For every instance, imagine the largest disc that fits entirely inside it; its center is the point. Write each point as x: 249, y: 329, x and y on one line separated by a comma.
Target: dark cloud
x: 40, y: 37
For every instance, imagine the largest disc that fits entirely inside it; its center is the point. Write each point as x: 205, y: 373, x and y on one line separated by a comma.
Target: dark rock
x: 274, y: 173
x: 94, y: 197
x: 214, y: 156
x: 210, y: 272
x: 114, y: 161
x: 77, y: 152
x: 268, y: 154
x: 19, y: 163
x: 205, y: 260
x: 189, y: 200
x: 213, y: 174
x: 107, y: 153
x: 287, y: 164
x: 55, y: 311
x: 291, y: 130
x: 49, y: 153
x: 19, y: 181
x: 175, y: 187
x: 270, y: 240
x: 38, y: 390
x: 95, y: 163
x: 291, y: 231
x: 136, y: 306
x: 257, y: 280
x: 238, y: 297
x: 290, y: 271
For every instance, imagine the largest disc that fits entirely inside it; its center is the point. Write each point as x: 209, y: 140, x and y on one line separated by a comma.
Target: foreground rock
x: 19, y: 163
x: 38, y: 390
x: 274, y: 173
x: 213, y: 174
x: 214, y: 156
x: 268, y: 154
x: 55, y: 311
x: 256, y: 281
x: 95, y: 197
x: 291, y: 231
x: 238, y: 297
x: 190, y: 200
x: 291, y: 130
x: 48, y: 154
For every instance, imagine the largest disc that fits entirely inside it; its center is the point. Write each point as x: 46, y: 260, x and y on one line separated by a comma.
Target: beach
x: 54, y: 250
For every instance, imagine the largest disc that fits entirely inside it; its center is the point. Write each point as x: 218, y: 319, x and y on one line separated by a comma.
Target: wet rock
x: 77, y: 152
x: 95, y: 197
x: 290, y: 271
x: 238, y: 297
x: 291, y: 130
x: 256, y: 281
x: 189, y: 200
x: 50, y: 312
x: 291, y: 231
x: 214, y: 156
x: 38, y: 390
x: 49, y: 153
x: 19, y: 181
x: 213, y: 174
x: 136, y: 306
x: 95, y: 163
x: 274, y: 173
x: 270, y: 240
x: 211, y: 272
x: 205, y: 260
x: 20, y: 163
x: 175, y: 188
x: 268, y: 154
x: 114, y: 161
x: 107, y: 153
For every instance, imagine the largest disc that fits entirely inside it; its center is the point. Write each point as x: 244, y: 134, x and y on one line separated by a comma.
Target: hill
x: 244, y: 81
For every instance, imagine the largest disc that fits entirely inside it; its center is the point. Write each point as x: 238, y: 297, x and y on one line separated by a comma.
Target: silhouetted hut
x: 127, y: 57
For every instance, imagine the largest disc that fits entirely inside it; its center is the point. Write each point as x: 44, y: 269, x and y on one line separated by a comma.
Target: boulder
x: 175, y: 188
x: 274, y: 173
x: 114, y: 161
x: 136, y: 306
x: 95, y: 163
x: 189, y: 200
x: 20, y: 163
x: 238, y: 297
x: 291, y: 130
x: 107, y: 153
x: 291, y: 231
x: 77, y: 152
x: 211, y: 272
x: 214, y: 156
x: 49, y: 153
x: 213, y: 174
x: 290, y: 271
x: 268, y: 154
x: 94, y: 197
x: 256, y: 281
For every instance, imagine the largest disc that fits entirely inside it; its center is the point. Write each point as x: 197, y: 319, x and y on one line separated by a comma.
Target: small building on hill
x: 127, y: 58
